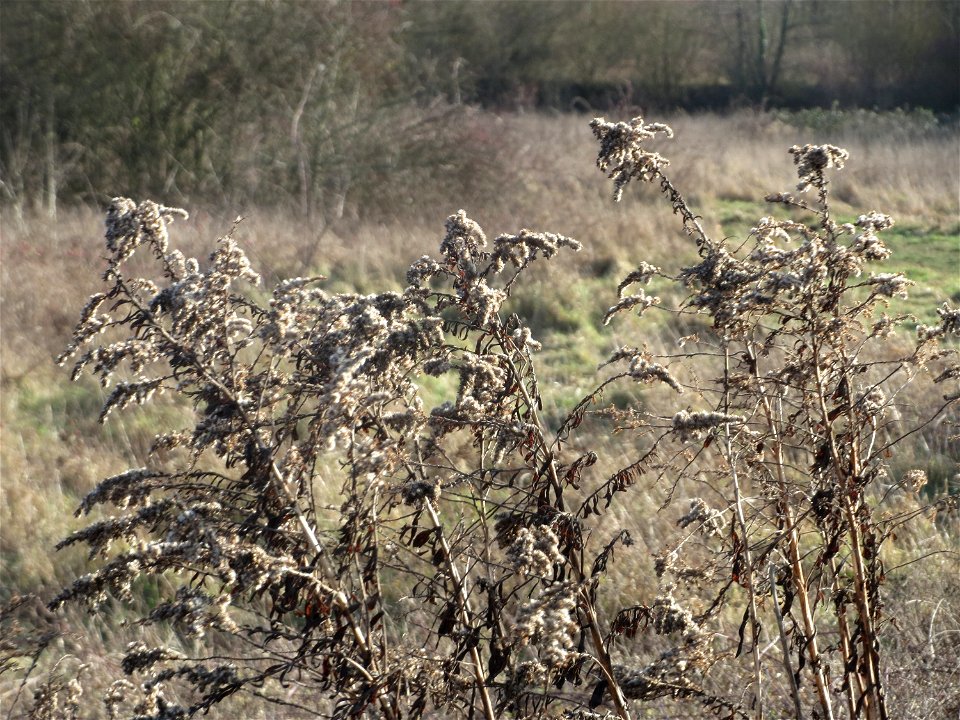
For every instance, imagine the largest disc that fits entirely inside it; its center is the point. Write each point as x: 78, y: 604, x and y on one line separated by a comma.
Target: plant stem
x: 463, y: 608
x: 850, y: 497
x: 793, y: 542
x: 785, y: 647
x: 742, y: 522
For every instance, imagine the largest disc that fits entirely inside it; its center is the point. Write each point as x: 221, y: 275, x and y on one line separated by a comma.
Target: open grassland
x: 53, y: 451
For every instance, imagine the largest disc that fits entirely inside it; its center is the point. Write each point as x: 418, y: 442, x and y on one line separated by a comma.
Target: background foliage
x: 332, y: 107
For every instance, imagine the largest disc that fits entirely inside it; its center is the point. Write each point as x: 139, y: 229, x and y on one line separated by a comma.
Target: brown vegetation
x: 374, y: 505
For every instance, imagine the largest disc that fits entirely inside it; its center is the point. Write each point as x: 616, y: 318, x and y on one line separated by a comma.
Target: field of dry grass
x: 53, y: 451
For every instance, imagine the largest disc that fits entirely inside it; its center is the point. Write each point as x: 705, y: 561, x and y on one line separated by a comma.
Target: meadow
x: 54, y: 452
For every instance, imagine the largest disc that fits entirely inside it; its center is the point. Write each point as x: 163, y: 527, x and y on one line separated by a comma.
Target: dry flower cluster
x: 461, y: 572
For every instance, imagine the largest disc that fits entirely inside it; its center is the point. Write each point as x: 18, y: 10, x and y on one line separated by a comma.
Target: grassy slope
x: 53, y: 451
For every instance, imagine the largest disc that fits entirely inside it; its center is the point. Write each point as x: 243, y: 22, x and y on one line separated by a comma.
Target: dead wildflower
x: 792, y: 331
x: 140, y: 657
x: 639, y: 300
x: 874, y: 221
x: 472, y: 508
x: 677, y: 673
x: 643, y: 274
x: 415, y: 493
x: 769, y: 231
x: 691, y: 425
x: 520, y: 249
x: 664, y: 563
x: 874, y: 402
x: 949, y: 324
x: 128, y: 226
x: 622, y: 153
x: 535, y: 551
x: 890, y: 284
x: 884, y: 327
x: 275, y: 386
x: 115, y: 696
x: 709, y: 521
x: 812, y: 160
x: 641, y: 368
x: 915, y: 479
x: 670, y: 617
x: 866, y: 244
x: 547, y: 623
x: 522, y: 338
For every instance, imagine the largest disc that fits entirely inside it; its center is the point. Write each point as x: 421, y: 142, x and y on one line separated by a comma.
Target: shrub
x: 459, y: 569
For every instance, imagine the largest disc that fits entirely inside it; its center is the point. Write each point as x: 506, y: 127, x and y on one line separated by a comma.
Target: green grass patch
x: 931, y: 259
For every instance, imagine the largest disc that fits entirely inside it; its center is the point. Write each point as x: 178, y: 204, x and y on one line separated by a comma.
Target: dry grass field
x: 52, y: 451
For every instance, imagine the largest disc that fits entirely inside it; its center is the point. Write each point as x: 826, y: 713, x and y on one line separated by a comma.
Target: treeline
x: 311, y: 105
x: 330, y: 107
x: 695, y: 54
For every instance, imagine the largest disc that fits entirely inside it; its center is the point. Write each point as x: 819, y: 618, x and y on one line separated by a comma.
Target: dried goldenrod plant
x: 459, y: 570
x: 796, y: 432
